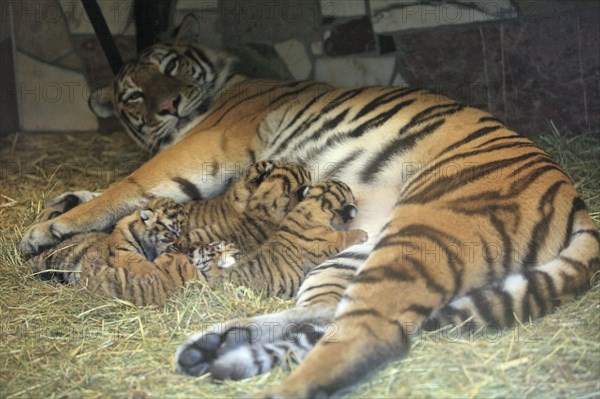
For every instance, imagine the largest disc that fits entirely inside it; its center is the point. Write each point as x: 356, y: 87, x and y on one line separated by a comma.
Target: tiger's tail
x: 532, y: 292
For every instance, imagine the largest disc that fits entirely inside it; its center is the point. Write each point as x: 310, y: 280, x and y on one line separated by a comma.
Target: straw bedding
x: 58, y: 341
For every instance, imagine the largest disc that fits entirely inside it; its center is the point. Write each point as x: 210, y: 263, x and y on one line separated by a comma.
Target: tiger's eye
x: 171, y: 66
x: 134, y: 96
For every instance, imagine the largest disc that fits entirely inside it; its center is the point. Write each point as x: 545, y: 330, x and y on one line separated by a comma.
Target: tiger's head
x: 165, y: 91
x: 154, y: 227
x: 328, y: 202
x: 271, y: 189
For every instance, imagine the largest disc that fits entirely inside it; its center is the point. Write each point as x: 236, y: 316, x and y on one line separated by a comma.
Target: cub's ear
x: 101, y: 101
x: 188, y: 31
x: 302, y: 192
x: 348, y: 213
x: 146, y: 215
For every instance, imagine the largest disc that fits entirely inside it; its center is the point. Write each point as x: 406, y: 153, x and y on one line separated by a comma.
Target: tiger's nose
x: 169, y: 107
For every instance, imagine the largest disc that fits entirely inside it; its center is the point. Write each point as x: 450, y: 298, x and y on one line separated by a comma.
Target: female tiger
x: 463, y: 214
x: 131, y: 262
x: 309, y: 234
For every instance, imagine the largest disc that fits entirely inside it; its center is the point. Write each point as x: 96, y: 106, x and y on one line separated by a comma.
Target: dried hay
x: 58, y: 341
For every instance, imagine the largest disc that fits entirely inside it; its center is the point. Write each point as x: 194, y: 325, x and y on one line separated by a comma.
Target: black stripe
x: 379, y: 119
x: 385, y: 98
x: 188, y: 188
x: 594, y: 233
x: 286, y: 139
x: 427, y: 278
x: 498, y: 224
x: 418, y: 182
x: 359, y: 313
x: 576, y: 206
x: 327, y: 266
x: 553, y: 296
x: 351, y: 255
x: 327, y: 126
x: 533, y: 291
x: 322, y: 294
x: 448, y: 184
x: 469, y: 138
x: 541, y: 229
x: 490, y: 119
x: 385, y: 273
x: 428, y: 114
x: 244, y: 99
x: 509, y: 137
x: 303, y: 110
x: 507, y: 304
x: 194, y: 52
x: 292, y: 93
x: 580, y: 267
x: 424, y: 311
x: 314, y: 287
x: 338, y: 165
x: 484, y: 307
x: 394, y: 148
x: 523, y: 183
x: 299, y: 235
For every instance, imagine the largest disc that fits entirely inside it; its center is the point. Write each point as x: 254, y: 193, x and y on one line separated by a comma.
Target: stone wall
x: 530, y: 63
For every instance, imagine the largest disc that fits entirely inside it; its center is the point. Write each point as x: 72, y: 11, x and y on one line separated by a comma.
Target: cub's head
x: 157, y: 225
x: 157, y: 95
x: 328, y: 202
x: 271, y: 188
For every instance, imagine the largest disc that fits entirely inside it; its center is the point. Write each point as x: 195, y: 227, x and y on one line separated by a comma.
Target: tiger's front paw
x: 58, y: 205
x: 42, y: 236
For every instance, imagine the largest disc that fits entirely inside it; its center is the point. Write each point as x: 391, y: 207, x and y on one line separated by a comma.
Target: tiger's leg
x: 246, y: 347
x: 64, y: 202
x: 417, y: 268
x: 156, y: 178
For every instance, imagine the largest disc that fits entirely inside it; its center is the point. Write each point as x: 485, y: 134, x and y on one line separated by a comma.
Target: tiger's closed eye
x: 136, y: 95
x: 171, y: 66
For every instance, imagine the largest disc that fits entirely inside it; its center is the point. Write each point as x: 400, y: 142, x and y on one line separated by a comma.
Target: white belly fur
x: 374, y: 208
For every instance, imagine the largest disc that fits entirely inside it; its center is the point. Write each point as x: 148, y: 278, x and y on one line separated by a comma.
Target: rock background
x: 530, y: 63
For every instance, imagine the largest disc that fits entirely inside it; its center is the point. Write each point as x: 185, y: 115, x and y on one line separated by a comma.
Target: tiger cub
x: 131, y: 262
x: 311, y: 233
x: 251, y: 210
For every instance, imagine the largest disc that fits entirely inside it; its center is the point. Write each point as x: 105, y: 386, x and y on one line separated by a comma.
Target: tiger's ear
x: 101, y: 101
x: 188, y: 31
x: 146, y: 216
x: 302, y: 192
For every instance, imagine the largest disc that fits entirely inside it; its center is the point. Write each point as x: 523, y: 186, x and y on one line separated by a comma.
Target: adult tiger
x: 463, y: 215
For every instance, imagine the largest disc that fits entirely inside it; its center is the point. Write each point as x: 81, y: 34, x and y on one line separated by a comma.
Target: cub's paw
x: 213, y: 259
x: 64, y: 202
x: 219, y: 254
x: 42, y: 236
x: 225, y: 255
x: 359, y: 236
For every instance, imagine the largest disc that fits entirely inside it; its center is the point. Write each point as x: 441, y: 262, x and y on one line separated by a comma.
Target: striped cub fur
x: 131, y: 262
x: 247, y: 213
x: 311, y: 233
